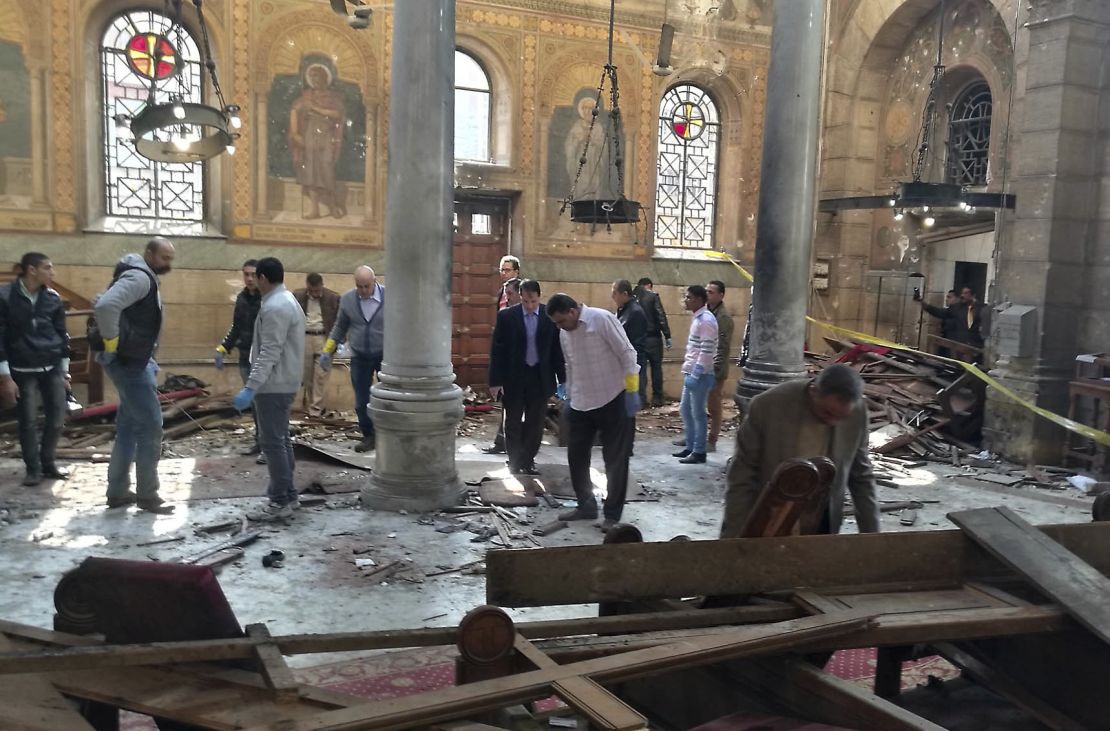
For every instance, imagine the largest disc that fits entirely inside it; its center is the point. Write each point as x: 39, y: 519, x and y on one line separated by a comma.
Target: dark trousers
x: 525, y: 408
x: 653, y: 357
x: 245, y: 373
x: 363, y: 369
x: 49, y: 390
x: 617, y: 432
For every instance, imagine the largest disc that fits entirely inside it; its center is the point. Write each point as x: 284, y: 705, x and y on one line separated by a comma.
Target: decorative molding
x: 528, y: 106
x: 243, y: 163
x: 61, y: 87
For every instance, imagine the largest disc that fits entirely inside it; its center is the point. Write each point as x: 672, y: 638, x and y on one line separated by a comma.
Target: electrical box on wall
x: 1017, y: 330
x: 821, y: 275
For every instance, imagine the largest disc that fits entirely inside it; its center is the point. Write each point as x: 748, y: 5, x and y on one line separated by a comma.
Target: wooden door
x: 481, y: 239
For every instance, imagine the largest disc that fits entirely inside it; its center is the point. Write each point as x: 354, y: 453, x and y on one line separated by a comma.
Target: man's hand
x: 325, y: 361
x: 105, y: 358
x: 9, y: 392
x: 221, y: 351
x: 667, y: 343
x: 561, y: 392
x: 631, y: 403
x: 243, y: 399
x: 495, y: 392
x: 699, y: 370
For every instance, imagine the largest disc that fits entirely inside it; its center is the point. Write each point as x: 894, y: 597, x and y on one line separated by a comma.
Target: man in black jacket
x: 240, y: 334
x: 525, y: 367
x: 634, y: 322
x: 964, y: 321
x: 658, y: 337
x: 34, y: 362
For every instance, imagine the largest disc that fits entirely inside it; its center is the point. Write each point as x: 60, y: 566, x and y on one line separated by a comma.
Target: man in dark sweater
x: 634, y: 322
x: 34, y: 362
x: 241, y: 332
x: 658, y: 338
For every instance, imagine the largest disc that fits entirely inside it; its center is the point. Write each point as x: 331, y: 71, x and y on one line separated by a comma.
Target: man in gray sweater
x: 277, y: 358
x: 361, y: 323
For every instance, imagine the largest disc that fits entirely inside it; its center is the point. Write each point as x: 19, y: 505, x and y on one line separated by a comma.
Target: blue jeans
x: 138, y: 431
x: 47, y: 388
x: 695, y: 393
x: 363, y: 369
x: 271, y: 410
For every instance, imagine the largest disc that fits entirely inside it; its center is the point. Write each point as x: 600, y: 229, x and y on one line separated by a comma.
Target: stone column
x: 1054, y: 251
x: 416, y: 406
x: 787, y: 198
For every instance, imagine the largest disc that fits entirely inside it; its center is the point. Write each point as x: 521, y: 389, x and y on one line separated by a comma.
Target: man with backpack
x: 129, y: 320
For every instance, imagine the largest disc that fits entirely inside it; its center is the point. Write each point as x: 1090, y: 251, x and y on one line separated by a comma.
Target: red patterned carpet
x: 395, y: 674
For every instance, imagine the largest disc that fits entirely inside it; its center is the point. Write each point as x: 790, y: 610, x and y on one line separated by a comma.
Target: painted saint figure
x: 316, y: 121
x: 594, y: 181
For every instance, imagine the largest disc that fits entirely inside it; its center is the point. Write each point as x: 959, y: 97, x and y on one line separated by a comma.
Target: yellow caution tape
x: 1070, y: 424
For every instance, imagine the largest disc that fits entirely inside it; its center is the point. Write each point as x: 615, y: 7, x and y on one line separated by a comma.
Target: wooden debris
x: 549, y: 528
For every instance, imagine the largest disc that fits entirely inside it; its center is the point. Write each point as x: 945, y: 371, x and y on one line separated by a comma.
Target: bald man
x: 361, y: 324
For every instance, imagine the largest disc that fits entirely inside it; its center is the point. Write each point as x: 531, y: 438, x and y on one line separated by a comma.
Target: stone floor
x: 48, y: 530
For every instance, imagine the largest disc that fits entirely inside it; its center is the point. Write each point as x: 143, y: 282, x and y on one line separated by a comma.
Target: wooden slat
x: 31, y: 703
x: 821, y: 696
x: 157, y: 653
x: 602, y: 708
x: 1066, y: 577
x: 272, y: 665
x: 848, y: 563
x: 426, y: 708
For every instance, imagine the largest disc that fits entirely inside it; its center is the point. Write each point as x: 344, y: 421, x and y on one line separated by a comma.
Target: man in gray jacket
x: 277, y: 360
x: 361, y: 323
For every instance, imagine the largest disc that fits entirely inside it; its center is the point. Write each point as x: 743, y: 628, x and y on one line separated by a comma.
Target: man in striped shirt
x: 603, y: 389
x: 697, y: 373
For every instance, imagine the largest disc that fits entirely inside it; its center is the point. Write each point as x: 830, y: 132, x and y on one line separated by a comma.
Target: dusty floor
x: 46, y: 531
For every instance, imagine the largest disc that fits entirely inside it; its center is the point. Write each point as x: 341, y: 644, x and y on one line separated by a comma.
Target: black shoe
x: 684, y: 453
x: 155, y: 505
x: 252, y: 451
x: 693, y: 458
x: 530, y: 470
x: 122, y: 501
x: 494, y: 449
x: 54, y: 473
x: 260, y: 459
x: 366, y: 445
x: 657, y: 402
x: 32, y: 479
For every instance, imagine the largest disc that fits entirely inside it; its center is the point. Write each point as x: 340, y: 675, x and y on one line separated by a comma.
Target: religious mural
x: 317, y: 143
x: 572, y: 126
x: 15, y: 128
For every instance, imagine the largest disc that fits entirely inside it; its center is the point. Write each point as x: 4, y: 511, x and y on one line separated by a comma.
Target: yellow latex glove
x: 221, y: 349
x: 329, y: 346
x: 110, y: 344
x: 632, y: 383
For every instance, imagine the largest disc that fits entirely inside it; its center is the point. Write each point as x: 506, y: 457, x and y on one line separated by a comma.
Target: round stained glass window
x: 687, y: 121
x: 152, y: 56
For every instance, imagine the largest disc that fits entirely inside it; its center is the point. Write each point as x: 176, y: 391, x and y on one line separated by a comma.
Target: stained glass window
x: 686, y: 185
x: 472, y: 109
x: 138, y: 47
x: 969, y: 135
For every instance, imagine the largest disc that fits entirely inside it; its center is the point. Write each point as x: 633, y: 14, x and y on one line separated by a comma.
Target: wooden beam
x: 602, y: 708
x: 445, y: 704
x: 1061, y: 574
x: 859, y: 563
x: 821, y: 696
x: 158, y: 653
x: 30, y: 703
x: 272, y: 665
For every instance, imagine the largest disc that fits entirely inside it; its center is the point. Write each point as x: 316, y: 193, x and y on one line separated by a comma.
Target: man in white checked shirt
x: 603, y: 393
x: 697, y: 374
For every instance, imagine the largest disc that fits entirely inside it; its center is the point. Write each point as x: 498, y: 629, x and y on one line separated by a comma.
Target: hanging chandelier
x: 172, y: 130
x: 615, y: 208
x: 922, y: 199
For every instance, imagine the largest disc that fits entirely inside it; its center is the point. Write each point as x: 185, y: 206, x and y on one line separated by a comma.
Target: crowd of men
x: 596, y: 362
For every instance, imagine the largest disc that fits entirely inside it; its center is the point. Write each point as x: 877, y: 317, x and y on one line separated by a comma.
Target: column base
x: 415, y: 446
x: 761, y: 376
x: 1015, y: 432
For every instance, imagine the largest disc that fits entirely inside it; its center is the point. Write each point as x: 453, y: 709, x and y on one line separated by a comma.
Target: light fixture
x: 662, y: 65
x: 929, y: 221
x: 178, y: 130
x: 899, y: 215
x: 891, y: 202
x: 925, y: 209
x: 604, y: 209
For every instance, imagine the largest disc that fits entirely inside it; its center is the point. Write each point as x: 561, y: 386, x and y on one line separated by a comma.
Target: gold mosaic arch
x: 311, y: 31
x: 13, y: 24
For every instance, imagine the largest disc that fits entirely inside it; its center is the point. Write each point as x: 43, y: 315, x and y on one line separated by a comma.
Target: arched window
x: 969, y: 136
x: 139, y: 47
x: 686, y: 187
x: 472, y: 109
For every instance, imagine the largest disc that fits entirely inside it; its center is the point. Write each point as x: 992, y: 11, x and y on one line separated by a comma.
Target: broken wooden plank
x: 29, y: 702
x: 1082, y: 590
x: 875, y: 561
x: 271, y: 665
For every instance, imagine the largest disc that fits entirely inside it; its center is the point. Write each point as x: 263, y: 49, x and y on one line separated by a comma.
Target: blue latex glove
x: 631, y: 403
x: 104, y: 358
x: 325, y: 361
x: 243, y: 399
x: 667, y: 343
x: 219, y: 361
x: 561, y: 392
